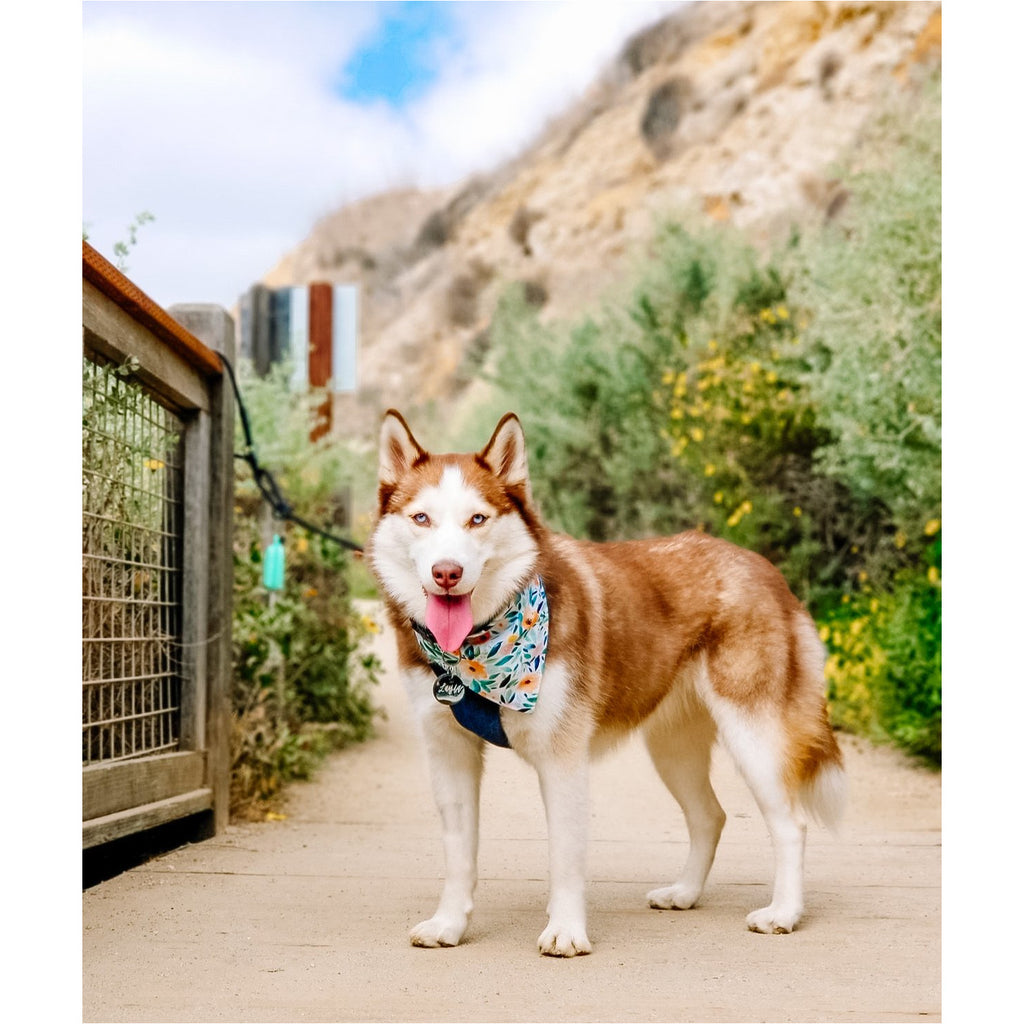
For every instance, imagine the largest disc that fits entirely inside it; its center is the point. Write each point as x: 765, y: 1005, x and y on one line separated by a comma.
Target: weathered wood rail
x: 157, y: 560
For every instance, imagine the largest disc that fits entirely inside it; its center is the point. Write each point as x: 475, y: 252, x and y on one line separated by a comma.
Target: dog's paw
x: 774, y: 920
x: 673, y: 897
x: 564, y: 940
x: 438, y: 931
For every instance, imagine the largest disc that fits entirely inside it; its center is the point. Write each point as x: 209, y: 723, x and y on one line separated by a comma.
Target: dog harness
x: 499, y: 664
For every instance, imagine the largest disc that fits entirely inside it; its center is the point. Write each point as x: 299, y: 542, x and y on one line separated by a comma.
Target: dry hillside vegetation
x: 722, y: 112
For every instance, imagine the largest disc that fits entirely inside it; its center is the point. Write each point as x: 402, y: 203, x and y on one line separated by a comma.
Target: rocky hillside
x: 728, y: 112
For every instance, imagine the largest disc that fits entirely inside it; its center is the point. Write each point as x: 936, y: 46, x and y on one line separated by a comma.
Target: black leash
x: 265, y: 481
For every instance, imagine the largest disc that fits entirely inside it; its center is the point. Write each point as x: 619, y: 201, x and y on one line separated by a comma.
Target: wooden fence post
x: 214, y: 327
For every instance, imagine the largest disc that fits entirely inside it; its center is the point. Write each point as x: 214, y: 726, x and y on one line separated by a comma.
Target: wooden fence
x: 157, y: 443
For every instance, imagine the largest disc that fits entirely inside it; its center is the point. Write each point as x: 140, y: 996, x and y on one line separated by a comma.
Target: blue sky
x: 237, y: 125
x: 399, y: 59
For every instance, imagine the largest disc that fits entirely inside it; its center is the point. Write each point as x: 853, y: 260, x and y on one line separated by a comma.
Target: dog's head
x: 456, y: 535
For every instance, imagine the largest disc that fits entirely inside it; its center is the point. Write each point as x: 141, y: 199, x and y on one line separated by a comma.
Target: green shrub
x: 789, y: 402
x: 873, y: 282
x: 303, y: 677
x: 884, y: 669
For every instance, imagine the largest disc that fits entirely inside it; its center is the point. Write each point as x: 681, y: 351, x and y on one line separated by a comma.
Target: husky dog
x: 557, y: 648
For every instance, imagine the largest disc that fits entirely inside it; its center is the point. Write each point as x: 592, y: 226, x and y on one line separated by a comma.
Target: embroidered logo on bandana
x: 504, y: 660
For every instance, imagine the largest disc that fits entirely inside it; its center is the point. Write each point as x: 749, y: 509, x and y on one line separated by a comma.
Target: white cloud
x: 220, y: 120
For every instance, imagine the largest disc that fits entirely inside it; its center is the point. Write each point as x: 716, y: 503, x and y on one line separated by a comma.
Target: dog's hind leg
x: 680, y: 747
x: 456, y: 765
x: 755, y: 742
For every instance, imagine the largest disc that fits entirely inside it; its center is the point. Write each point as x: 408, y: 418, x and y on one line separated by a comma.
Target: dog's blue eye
x: 478, y: 520
x: 421, y: 519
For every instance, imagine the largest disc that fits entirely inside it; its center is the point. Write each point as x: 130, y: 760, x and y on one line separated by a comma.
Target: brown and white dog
x: 688, y: 638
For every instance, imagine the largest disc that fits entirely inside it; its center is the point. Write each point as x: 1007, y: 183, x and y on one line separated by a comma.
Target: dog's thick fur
x: 687, y: 638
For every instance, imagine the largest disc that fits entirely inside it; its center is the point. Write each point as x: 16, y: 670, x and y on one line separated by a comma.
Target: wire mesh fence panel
x: 132, y: 526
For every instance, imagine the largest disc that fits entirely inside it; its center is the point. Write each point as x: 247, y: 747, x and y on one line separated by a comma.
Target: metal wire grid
x: 132, y: 518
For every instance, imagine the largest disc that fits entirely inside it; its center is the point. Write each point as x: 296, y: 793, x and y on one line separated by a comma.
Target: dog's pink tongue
x: 450, y: 619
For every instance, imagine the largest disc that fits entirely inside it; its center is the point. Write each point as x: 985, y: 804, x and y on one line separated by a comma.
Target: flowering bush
x: 884, y: 668
x: 790, y: 404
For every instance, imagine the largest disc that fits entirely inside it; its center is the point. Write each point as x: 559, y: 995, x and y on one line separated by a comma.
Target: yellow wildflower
x: 668, y: 377
x: 771, y: 377
x: 782, y: 313
x: 697, y: 434
x: 933, y: 576
x: 709, y: 469
x: 824, y: 633
x: 301, y: 544
x: 797, y: 511
x: 900, y: 540
x: 719, y: 497
x: 932, y: 527
x: 739, y: 512
x: 369, y: 624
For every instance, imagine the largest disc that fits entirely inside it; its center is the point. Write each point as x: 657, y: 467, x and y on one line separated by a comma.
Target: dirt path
x: 306, y: 919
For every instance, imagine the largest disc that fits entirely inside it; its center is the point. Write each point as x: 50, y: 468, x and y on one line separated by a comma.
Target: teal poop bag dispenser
x: 273, y: 565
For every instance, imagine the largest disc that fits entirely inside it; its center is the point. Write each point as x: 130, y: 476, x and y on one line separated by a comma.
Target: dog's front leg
x: 456, y: 765
x: 564, y: 787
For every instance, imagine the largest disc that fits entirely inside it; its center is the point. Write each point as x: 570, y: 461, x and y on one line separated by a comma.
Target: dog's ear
x: 505, y: 453
x: 399, y: 450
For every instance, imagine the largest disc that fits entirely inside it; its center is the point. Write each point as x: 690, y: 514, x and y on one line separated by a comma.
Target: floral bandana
x: 502, y: 661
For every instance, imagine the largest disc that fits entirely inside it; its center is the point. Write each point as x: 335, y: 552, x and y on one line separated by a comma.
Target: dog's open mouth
x: 450, y: 619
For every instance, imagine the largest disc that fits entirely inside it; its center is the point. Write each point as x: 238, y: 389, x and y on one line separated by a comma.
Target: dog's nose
x: 447, y: 574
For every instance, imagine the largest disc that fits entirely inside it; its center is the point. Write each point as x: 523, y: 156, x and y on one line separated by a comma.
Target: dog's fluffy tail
x: 823, y: 796
x: 818, y: 781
